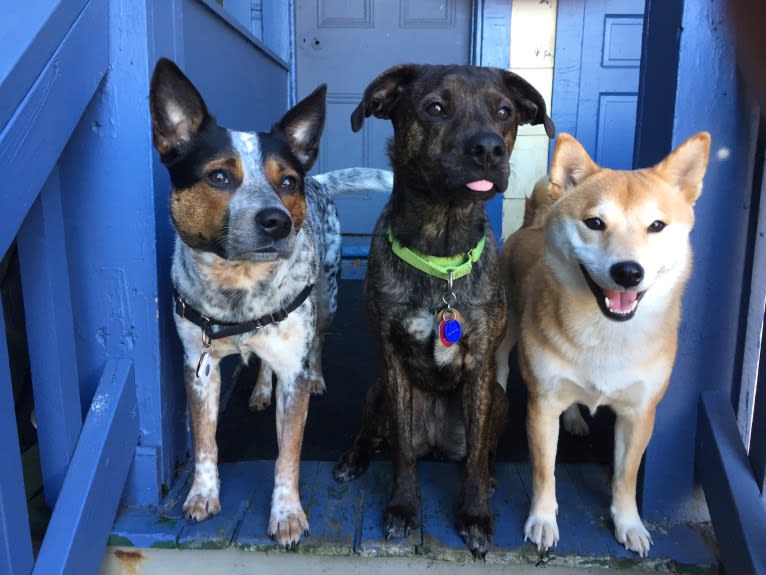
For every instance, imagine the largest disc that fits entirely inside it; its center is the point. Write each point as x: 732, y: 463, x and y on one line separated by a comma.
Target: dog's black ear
x: 570, y: 165
x: 303, y: 124
x: 530, y: 102
x: 176, y: 106
x: 381, y: 96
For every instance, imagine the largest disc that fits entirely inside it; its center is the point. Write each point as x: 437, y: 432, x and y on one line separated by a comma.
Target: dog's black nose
x: 486, y: 149
x: 274, y: 222
x: 627, y: 274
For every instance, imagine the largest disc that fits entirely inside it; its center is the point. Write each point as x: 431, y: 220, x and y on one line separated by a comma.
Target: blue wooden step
x: 346, y: 518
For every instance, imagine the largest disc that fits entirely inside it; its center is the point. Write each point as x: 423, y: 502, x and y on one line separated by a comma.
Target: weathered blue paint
x: 734, y: 499
x: 596, y: 73
x: 15, y: 542
x: 658, y: 82
x: 30, y: 33
x: 710, y: 317
x: 278, y: 28
x: 758, y: 431
x: 52, y: 353
x: 348, y: 518
x: 86, y: 507
x: 491, y: 46
x: 36, y: 133
x: 236, y: 493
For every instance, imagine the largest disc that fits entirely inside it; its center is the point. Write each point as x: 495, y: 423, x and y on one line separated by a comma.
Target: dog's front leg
x: 474, y: 521
x: 288, y: 522
x: 202, y: 395
x: 543, y: 435
x: 402, y: 514
x: 632, y: 431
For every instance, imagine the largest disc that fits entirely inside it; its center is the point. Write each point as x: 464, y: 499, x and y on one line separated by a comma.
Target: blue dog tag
x: 449, y: 331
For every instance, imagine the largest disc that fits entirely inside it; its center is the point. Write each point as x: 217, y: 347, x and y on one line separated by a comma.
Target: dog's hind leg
x: 574, y: 422
x: 316, y: 377
x: 356, y: 460
x: 504, y: 351
x: 632, y: 431
x: 260, y: 398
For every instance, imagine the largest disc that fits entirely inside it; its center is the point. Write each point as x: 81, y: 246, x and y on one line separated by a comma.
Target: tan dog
x: 595, y: 278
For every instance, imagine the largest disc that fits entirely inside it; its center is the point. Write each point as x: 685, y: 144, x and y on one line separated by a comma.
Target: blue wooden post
x: 15, y: 540
x: 735, y: 502
x: 52, y: 354
x: 700, y: 91
x: 491, y: 46
x: 91, y: 491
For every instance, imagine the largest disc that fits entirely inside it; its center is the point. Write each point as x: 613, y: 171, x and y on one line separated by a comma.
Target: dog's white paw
x: 199, y: 507
x: 542, y: 530
x: 287, y: 525
x: 574, y: 422
x: 633, y: 535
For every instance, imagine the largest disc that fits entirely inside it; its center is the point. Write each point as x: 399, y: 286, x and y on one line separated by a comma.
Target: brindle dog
x: 454, y: 130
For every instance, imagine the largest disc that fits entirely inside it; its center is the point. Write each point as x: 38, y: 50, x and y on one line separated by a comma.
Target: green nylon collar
x: 437, y: 266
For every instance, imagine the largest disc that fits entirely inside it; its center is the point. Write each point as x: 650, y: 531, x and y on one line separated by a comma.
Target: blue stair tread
x: 348, y: 518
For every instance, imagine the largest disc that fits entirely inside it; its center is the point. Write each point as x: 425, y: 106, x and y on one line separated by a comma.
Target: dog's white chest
x: 615, y: 372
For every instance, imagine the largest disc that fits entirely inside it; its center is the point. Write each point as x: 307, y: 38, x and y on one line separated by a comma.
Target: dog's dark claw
x: 476, y: 533
x: 400, y: 520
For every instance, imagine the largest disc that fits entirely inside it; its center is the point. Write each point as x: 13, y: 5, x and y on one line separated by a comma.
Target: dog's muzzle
x: 618, y: 305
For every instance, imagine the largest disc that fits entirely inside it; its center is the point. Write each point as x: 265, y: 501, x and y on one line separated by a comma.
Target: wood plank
x: 439, y: 488
x: 32, y: 141
x: 154, y: 526
x: 237, y: 490
x: 252, y: 533
x: 736, y: 507
x: 334, y: 510
x: 376, y: 483
x: 510, y: 506
x: 15, y: 540
x: 50, y: 335
x: 87, y: 504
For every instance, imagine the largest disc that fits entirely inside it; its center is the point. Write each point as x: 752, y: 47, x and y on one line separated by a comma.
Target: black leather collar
x: 227, y: 329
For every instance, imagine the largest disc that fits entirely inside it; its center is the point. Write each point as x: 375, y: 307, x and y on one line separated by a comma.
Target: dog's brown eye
x: 436, y: 110
x: 288, y: 183
x: 656, y: 226
x: 595, y: 224
x: 219, y: 179
x: 503, y: 114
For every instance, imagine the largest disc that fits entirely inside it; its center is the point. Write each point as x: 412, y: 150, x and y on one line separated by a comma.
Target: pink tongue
x: 621, y: 301
x: 480, y: 186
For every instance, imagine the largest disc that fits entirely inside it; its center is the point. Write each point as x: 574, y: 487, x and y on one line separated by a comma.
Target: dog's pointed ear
x: 382, y: 95
x: 685, y: 166
x: 303, y: 125
x: 530, y: 102
x: 178, y: 111
x: 570, y: 165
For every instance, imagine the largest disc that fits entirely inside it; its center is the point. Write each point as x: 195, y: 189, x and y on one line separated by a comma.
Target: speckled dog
x: 433, y: 294
x: 254, y: 270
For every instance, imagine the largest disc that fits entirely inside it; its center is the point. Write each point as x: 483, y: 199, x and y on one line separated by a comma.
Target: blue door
x: 595, y: 83
x: 346, y: 45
